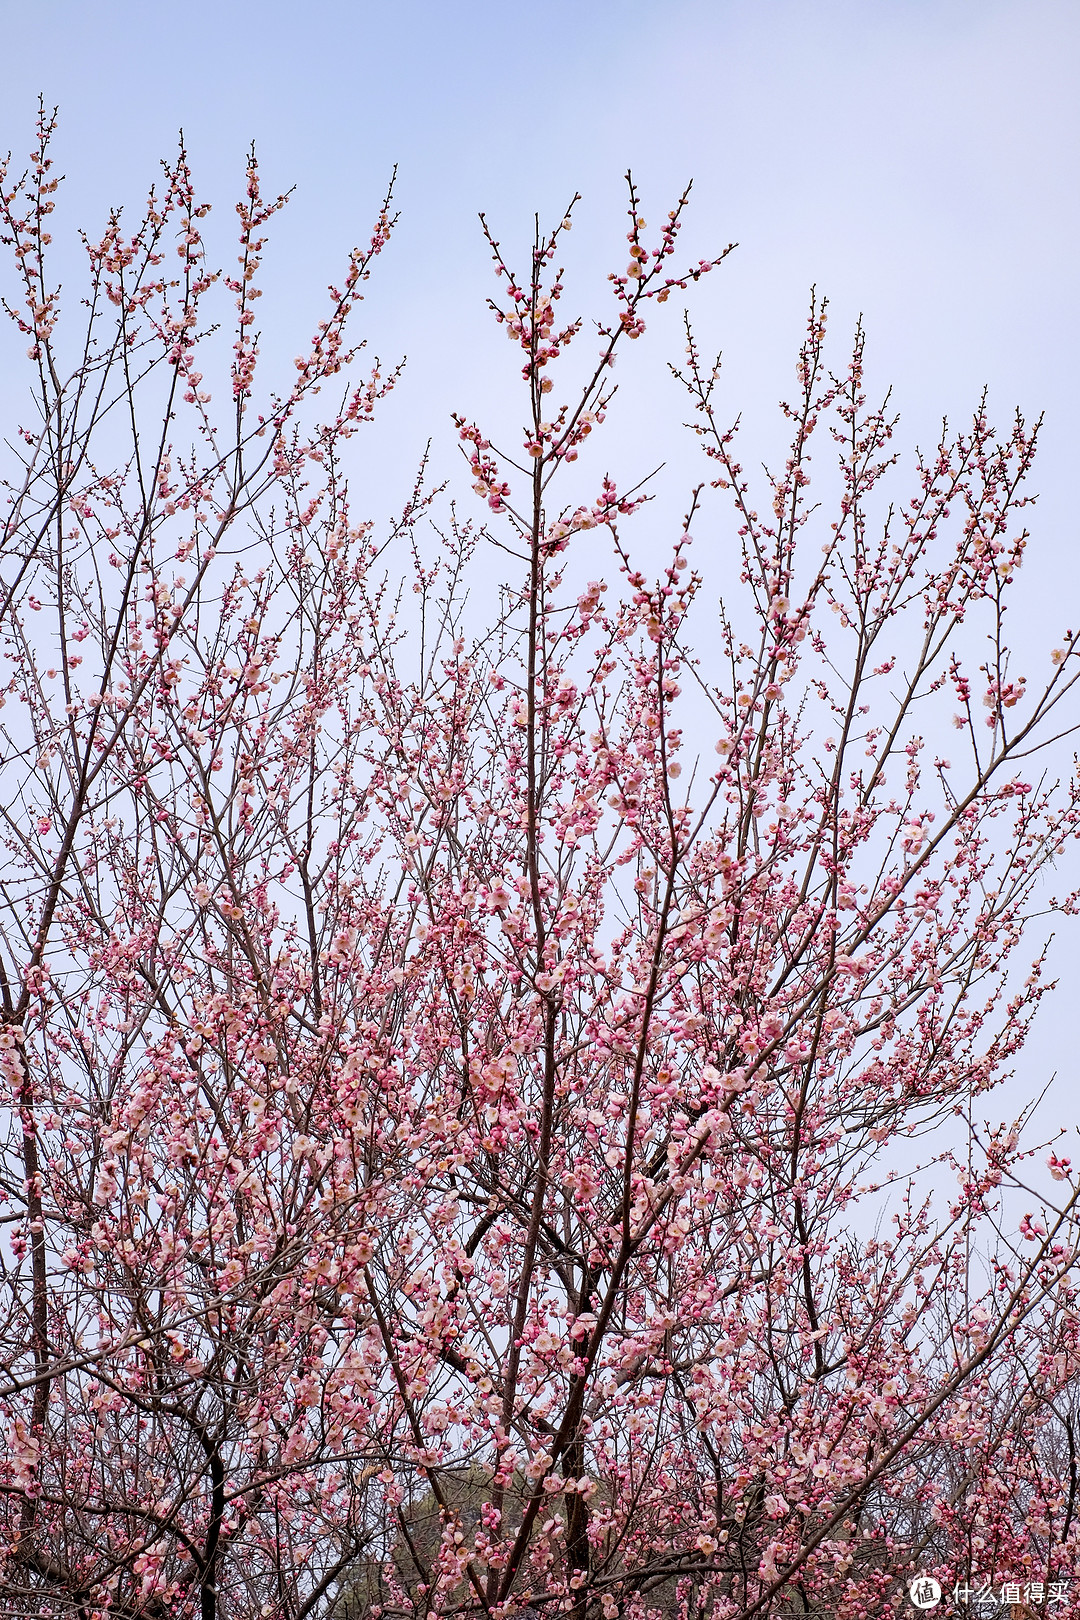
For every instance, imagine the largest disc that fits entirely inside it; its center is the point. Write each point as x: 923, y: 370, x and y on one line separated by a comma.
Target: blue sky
x: 916, y: 159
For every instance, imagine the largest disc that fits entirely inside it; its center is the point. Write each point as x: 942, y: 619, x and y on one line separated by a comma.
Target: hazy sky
x: 915, y: 159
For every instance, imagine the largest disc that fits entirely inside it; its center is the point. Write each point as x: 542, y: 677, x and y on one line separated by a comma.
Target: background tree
x: 458, y: 1152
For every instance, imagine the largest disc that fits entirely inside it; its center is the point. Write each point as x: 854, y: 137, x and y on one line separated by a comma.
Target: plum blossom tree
x: 463, y: 1077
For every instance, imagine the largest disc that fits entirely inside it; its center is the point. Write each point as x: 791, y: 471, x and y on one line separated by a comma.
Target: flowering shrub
x: 464, y: 1086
